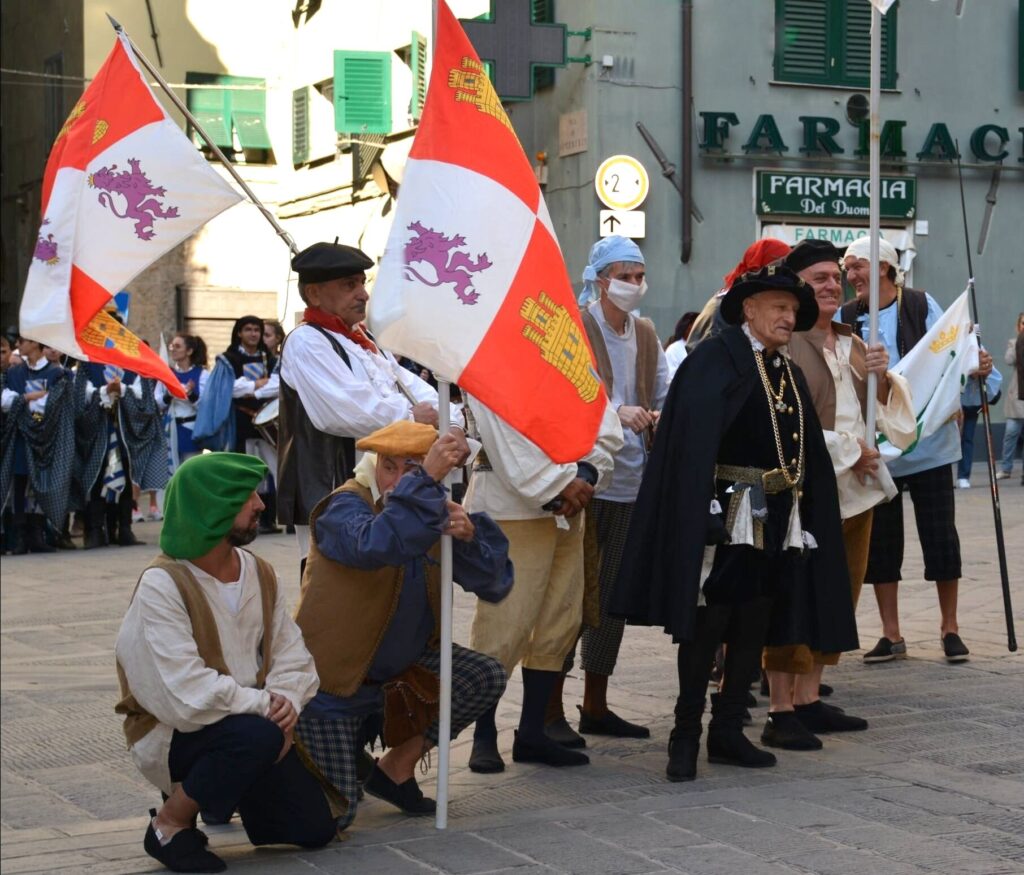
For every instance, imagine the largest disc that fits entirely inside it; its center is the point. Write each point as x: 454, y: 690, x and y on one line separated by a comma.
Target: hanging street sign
x: 832, y: 195
x: 625, y: 223
x: 622, y: 183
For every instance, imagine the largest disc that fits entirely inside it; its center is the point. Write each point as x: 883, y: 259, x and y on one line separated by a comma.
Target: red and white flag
x: 123, y: 185
x: 473, y: 284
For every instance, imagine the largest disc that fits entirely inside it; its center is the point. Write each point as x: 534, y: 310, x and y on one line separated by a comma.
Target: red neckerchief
x: 335, y: 323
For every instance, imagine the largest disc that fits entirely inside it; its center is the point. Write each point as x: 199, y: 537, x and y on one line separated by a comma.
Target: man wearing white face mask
x: 633, y: 368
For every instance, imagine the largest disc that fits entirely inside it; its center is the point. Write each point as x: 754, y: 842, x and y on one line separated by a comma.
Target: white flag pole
x: 874, y: 208
x: 444, y: 730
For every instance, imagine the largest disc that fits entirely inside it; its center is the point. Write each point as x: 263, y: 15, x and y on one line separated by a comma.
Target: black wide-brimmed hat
x: 775, y: 277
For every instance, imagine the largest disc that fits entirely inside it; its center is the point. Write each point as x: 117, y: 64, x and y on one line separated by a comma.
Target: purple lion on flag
x: 449, y: 267
x: 140, y: 196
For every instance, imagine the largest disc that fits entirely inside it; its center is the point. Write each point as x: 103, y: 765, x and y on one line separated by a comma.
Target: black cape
x: 660, y: 575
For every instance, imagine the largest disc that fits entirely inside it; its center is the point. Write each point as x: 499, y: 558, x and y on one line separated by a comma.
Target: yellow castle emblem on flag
x: 945, y: 339
x: 76, y: 112
x: 472, y: 85
x: 104, y: 331
x: 561, y: 343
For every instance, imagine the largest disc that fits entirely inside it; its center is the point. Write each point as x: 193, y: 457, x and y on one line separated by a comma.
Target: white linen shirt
x: 349, y: 402
x: 167, y: 677
x: 522, y: 477
x: 895, y: 419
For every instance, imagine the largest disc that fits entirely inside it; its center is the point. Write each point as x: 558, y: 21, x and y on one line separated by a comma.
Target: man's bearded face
x: 247, y: 522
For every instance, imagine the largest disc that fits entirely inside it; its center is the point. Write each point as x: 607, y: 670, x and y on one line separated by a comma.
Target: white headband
x: 861, y: 248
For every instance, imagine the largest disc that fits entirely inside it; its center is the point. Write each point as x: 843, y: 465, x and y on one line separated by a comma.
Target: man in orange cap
x: 369, y: 612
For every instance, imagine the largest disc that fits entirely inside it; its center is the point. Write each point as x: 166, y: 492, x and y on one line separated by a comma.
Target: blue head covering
x: 607, y: 250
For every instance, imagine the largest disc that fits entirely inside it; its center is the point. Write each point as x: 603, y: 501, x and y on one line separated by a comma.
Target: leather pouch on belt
x: 411, y: 704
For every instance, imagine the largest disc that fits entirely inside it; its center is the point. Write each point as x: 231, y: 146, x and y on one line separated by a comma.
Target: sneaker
x: 154, y: 516
x: 886, y: 650
x: 963, y: 484
x: 138, y: 516
x: 954, y: 648
x: 785, y: 730
x: 1002, y: 475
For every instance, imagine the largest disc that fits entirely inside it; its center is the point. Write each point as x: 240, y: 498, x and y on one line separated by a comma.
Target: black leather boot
x: 37, y: 534
x: 125, y: 536
x: 19, y: 543
x: 95, y: 520
x: 682, y: 756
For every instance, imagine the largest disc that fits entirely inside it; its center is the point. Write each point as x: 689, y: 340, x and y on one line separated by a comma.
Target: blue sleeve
x: 349, y: 532
x: 482, y: 566
x: 16, y: 379
x: 934, y: 312
x: 993, y: 383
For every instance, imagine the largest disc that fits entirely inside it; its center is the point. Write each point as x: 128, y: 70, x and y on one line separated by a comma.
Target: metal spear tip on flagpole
x: 114, y: 23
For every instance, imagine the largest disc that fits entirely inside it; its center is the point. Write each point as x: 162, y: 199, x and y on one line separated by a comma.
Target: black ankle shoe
x: 733, y: 748
x: 485, y: 759
x: 559, y: 730
x: 547, y: 752
x: 682, y: 757
x: 783, y: 729
x: 406, y: 796
x: 611, y: 724
x: 819, y: 717
x: 186, y: 852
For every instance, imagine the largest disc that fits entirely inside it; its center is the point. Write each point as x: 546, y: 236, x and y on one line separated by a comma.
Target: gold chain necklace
x: 792, y: 480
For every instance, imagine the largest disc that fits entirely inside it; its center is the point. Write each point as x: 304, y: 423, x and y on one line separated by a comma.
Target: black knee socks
x: 537, y: 687
x: 485, y: 728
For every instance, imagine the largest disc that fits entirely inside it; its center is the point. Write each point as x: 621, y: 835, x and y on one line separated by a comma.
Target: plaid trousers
x: 600, y: 650
x: 331, y: 746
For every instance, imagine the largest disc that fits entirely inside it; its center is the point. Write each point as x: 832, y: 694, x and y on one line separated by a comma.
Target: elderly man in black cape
x: 718, y: 549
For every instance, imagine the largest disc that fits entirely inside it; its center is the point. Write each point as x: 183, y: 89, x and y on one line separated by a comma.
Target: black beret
x: 330, y: 261
x: 776, y: 277
x: 808, y: 252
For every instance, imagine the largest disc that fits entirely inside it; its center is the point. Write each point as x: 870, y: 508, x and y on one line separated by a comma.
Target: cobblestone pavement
x: 935, y: 785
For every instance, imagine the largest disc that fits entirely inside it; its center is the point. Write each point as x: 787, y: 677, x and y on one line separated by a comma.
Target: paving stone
x: 568, y: 850
x: 935, y: 785
x: 461, y: 854
x: 635, y: 832
x: 719, y: 860
x: 720, y: 824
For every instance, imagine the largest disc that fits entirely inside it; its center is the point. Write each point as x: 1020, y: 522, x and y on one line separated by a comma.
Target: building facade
x: 754, y: 112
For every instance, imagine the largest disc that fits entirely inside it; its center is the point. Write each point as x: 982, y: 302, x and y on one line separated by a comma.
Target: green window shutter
x: 249, y: 112
x: 802, y: 41
x: 828, y: 42
x: 362, y: 92
x: 855, y: 66
x: 300, y: 126
x: 224, y: 112
x: 210, y: 107
x: 418, y: 64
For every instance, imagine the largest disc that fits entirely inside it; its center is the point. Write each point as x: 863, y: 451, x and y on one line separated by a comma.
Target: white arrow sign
x: 627, y: 223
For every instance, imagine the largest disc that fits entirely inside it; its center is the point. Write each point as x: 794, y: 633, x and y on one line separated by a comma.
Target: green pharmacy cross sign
x: 832, y: 195
x: 514, y: 43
